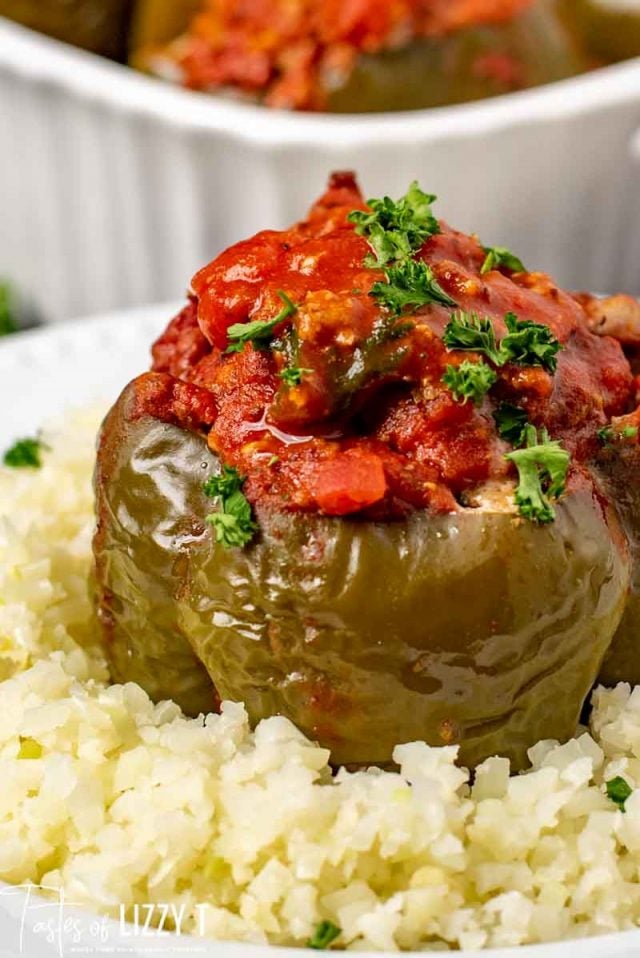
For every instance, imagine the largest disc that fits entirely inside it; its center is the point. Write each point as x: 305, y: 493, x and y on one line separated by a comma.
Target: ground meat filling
x: 344, y: 410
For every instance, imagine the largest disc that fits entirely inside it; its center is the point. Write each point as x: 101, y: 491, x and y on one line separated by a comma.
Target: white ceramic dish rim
x: 127, y: 334
x: 94, y: 78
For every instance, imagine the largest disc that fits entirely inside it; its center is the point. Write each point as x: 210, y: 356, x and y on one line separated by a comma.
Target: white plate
x: 115, y: 188
x: 41, y: 375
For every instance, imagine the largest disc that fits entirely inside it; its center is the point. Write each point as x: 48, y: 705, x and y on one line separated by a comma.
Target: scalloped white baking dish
x: 115, y: 188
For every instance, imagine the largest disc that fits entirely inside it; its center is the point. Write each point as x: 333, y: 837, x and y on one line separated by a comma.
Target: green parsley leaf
x: 619, y: 791
x: 233, y: 523
x: 609, y: 436
x: 498, y: 256
x: 292, y: 376
x: 526, y: 343
x: 389, y: 247
x: 7, y: 322
x: 325, y: 933
x: 468, y: 332
x: 225, y: 484
x: 396, y: 229
x: 259, y: 332
x: 542, y: 468
x: 411, y: 284
x: 25, y: 454
x: 530, y: 344
x: 511, y: 422
x: 469, y: 381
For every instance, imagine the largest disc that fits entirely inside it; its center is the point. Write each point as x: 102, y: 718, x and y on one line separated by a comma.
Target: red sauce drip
x: 372, y: 429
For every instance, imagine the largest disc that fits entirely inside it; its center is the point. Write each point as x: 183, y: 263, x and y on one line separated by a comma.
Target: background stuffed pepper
x: 374, y: 56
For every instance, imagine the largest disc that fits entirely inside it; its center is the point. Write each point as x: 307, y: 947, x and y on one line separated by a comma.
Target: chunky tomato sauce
x: 371, y: 428
x: 293, y: 51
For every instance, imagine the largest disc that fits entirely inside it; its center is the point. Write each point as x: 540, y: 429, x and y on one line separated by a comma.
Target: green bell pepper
x: 96, y: 25
x: 142, y: 509
x: 620, y: 466
x: 471, y: 64
x: 610, y: 30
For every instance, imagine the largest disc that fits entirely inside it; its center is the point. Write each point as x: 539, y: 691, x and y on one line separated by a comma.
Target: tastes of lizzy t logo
x: 39, y: 921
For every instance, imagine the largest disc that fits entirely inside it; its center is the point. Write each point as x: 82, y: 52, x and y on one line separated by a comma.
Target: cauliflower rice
x: 118, y: 800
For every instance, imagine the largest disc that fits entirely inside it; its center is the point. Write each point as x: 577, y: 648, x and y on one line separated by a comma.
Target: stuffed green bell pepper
x: 347, y: 56
x: 359, y: 488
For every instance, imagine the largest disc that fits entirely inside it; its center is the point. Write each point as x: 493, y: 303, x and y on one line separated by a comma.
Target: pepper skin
x: 96, y: 25
x: 620, y: 467
x: 610, y: 31
x: 141, y: 509
x: 471, y: 64
x: 475, y: 628
x: 618, y: 464
x: 159, y: 21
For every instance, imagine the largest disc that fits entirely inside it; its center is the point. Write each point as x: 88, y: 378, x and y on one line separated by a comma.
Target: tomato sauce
x: 371, y: 429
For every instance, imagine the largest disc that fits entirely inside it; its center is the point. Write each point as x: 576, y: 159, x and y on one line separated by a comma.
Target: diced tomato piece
x: 350, y: 482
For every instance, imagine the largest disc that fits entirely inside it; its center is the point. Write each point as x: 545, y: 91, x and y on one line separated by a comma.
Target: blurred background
x: 140, y: 137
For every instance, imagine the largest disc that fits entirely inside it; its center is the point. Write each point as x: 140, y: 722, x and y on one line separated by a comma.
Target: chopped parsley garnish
x: 326, y: 932
x: 292, y: 376
x: 511, y: 422
x: 7, y: 322
x: 608, y: 436
x: 25, y: 454
x: 259, y: 332
x: 468, y: 332
x: 542, y: 469
x: 526, y: 343
x: 619, y: 791
x: 469, y: 381
x: 225, y: 484
x: 233, y: 523
x: 542, y: 463
x: 396, y: 229
x: 497, y: 256
x: 530, y: 344
x: 409, y: 285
